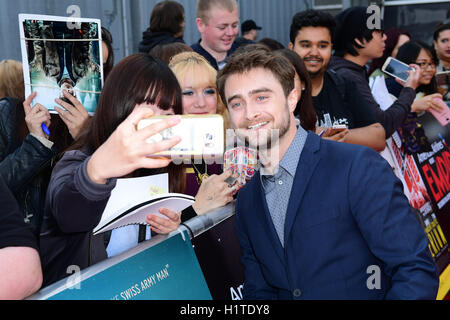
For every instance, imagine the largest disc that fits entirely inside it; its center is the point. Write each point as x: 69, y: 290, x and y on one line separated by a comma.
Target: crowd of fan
x: 55, y: 188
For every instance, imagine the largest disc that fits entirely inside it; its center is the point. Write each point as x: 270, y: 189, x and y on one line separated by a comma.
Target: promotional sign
x: 166, y: 271
x: 426, y: 182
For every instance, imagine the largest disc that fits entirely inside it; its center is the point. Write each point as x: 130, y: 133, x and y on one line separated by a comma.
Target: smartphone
x: 336, y: 129
x: 202, y: 135
x: 442, y: 116
x: 396, y: 68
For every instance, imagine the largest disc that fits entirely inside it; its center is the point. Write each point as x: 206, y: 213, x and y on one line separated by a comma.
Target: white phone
x: 396, y: 68
x: 202, y: 135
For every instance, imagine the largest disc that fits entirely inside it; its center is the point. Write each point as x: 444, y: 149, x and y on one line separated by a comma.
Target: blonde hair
x: 205, y: 6
x: 11, y: 79
x: 188, y: 62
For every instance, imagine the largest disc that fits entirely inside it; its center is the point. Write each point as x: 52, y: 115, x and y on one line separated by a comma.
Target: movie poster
x: 426, y: 183
x: 60, y: 54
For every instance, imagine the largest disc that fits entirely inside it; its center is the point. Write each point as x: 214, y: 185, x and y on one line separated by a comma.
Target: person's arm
x: 390, y: 228
x: 69, y: 185
x: 372, y: 136
x: 212, y: 194
x: 20, y: 272
x: 80, y: 186
x: 19, y: 164
x: 18, y: 167
x: 20, y: 265
x: 395, y: 115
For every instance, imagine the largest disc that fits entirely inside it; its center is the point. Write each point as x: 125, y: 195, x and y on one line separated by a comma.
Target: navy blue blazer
x: 349, y: 233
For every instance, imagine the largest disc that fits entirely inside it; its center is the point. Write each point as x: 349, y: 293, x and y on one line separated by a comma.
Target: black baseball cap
x: 248, y: 25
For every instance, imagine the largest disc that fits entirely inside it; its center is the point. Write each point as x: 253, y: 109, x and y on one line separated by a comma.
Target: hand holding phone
x: 202, y: 135
x: 336, y: 133
x: 443, y: 116
x: 407, y: 75
x: 396, y: 69
x: 335, y: 129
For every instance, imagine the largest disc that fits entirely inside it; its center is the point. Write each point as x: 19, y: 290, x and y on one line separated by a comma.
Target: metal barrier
x: 191, y: 228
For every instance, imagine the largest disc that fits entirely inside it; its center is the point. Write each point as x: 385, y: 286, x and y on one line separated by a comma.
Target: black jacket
x: 24, y: 164
x: 152, y: 39
x: 201, y: 51
x: 73, y: 208
x: 390, y: 119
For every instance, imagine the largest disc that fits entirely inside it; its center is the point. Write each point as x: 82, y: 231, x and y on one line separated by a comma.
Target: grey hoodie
x: 390, y: 119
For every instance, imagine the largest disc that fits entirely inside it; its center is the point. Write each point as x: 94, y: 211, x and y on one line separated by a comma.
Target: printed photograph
x: 59, y: 55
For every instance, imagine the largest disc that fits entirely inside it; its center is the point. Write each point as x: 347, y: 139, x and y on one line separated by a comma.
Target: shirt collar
x: 289, y: 162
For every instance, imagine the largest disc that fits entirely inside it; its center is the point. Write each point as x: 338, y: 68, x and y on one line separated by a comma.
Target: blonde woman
x: 197, y: 79
x: 11, y: 84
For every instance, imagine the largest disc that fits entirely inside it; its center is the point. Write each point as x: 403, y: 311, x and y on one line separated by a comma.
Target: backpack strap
x: 339, y: 81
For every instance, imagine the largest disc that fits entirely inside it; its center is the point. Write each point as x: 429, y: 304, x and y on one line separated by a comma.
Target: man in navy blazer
x: 321, y: 219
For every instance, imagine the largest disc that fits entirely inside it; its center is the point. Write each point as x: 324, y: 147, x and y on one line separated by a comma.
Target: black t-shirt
x: 14, y: 232
x: 341, y: 104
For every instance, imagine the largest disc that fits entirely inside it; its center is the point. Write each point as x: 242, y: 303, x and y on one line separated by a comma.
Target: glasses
x: 424, y: 65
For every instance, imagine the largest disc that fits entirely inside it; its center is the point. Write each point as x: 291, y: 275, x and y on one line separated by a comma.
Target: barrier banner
x: 167, y: 271
x: 219, y: 255
x: 426, y: 183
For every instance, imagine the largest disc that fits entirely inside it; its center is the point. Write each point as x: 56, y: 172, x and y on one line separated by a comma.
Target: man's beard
x: 266, y: 139
x: 319, y: 72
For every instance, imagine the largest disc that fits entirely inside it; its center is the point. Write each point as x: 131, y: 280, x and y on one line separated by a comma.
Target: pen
x: 45, y: 129
x: 321, y: 134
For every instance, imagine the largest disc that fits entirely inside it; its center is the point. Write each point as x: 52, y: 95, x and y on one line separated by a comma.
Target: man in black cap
x: 249, y: 31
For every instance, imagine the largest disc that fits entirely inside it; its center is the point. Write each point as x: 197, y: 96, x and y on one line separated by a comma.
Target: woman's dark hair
x: 165, y: 52
x: 393, y: 34
x: 441, y: 27
x: 305, y: 108
x: 134, y: 80
x: 270, y: 43
x: 107, y: 39
x: 408, y: 54
x: 167, y: 16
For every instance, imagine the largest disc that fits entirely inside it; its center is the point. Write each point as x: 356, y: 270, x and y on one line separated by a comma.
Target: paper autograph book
x: 138, y: 213
x: 133, y: 199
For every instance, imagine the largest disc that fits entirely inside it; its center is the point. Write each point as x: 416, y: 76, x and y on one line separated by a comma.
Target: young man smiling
x: 336, y: 100
x: 218, y: 23
x: 325, y: 213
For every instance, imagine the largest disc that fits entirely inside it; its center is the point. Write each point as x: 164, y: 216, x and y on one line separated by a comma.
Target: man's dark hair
x: 251, y: 58
x: 167, y: 16
x: 312, y: 18
x: 351, y: 25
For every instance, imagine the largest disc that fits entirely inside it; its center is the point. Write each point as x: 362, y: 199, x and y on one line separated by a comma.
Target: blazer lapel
x: 307, y: 164
x: 268, y: 223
